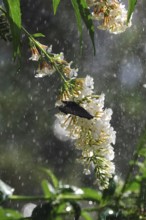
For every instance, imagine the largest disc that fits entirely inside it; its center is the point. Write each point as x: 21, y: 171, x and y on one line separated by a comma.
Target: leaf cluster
x: 123, y: 200
x: 13, y: 27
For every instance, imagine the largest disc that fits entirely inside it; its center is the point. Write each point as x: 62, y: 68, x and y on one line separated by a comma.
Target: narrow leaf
x: 90, y: 194
x: 86, y: 16
x: 60, y: 208
x: 86, y: 216
x: 51, y: 176
x: 38, y: 35
x: 14, y: 17
x: 131, y: 7
x: 78, y: 18
x: 55, y: 5
x: 46, y: 189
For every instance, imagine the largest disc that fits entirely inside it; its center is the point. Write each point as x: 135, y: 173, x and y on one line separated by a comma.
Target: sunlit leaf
x: 70, y: 189
x: 78, y: 18
x: 131, y: 7
x: 143, y: 172
x: 55, y: 5
x: 14, y: 16
x: 9, y: 214
x: 134, y: 186
x: 38, y: 35
x: 86, y: 16
x: 47, y: 188
x: 59, y: 218
x: 90, y: 194
x: 61, y: 208
x: 142, y: 152
x: 51, y: 176
x: 86, y: 215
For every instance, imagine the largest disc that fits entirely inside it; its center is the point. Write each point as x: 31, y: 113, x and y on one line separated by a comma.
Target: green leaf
x: 142, y: 151
x: 131, y: 7
x: 8, y: 214
x: 38, y: 35
x: 61, y: 208
x: 78, y: 19
x: 55, y: 5
x: 51, y: 176
x: 90, y: 194
x: 85, y: 215
x: 46, y: 188
x: 86, y: 16
x: 70, y: 189
x: 134, y: 186
x: 14, y: 16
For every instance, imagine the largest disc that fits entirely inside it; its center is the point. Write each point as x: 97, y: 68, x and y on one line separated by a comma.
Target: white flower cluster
x: 82, y: 116
x: 111, y: 13
x: 46, y: 68
x: 94, y: 136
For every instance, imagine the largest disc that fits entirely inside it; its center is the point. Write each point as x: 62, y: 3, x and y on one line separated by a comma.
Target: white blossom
x: 35, y: 54
x: 44, y: 69
x: 88, y: 86
x: 27, y: 209
x: 5, y: 189
x: 93, y: 137
x: 49, y: 49
x: 59, y: 131
x: 112, y: 15
x: 69, y: 72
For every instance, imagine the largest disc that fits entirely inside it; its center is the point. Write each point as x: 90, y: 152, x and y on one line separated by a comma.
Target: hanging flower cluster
x: 91, y: 130
x: 111, y: 14
x: 82, y: 117
x: 48, y: 62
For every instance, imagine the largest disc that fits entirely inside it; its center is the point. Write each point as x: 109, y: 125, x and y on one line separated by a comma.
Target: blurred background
x: 27, y: 140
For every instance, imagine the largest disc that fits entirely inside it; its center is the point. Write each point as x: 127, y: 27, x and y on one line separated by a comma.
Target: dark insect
x: 71, y: 107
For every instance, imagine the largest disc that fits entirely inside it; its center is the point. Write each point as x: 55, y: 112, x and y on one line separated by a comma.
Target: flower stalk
x: 93, y: 136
